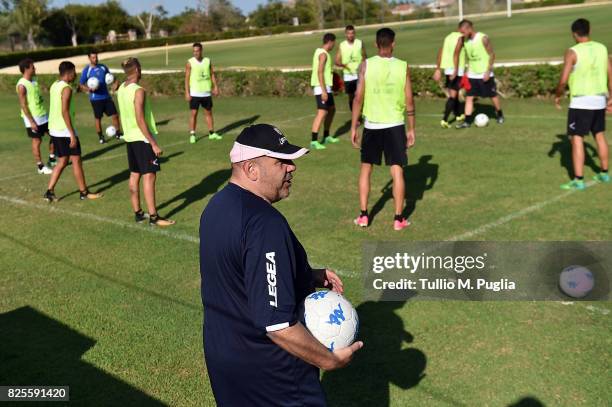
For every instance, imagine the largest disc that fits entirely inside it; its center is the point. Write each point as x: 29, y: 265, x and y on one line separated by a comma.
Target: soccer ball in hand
x: 111, y: 131
x: 481, y: 120
x: 331, y: 319
x: 109, y: 78
x: 576, y: 281
x: 93, y: 83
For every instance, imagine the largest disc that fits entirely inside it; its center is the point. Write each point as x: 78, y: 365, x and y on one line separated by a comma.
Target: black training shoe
x: 464, y: 125
x: 500, y: 120
x: 140, y: 216
x: 50, y: 197
x: 101, y: 139
x: 156, y: 220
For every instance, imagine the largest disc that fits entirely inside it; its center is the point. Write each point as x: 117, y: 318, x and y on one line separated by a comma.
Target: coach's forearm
x: 300, y: 343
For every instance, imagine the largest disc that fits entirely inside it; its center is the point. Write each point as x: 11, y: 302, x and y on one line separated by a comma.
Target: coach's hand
x: 324, y: 96
x: 215, y: 91
x: 187, y: 97
x: 34, y: 126
x: 73, y: 141
x: 558, y: 102
x: 410, y: 138
x: 437, y: 75
x: 158, y: 151
x: 329, y: 279
x: 486, y: 76
x: 609, y: 106
x: 344, y: 356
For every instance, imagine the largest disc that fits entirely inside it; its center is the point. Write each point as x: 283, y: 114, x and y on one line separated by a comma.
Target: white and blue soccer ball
x: 331, y: 319
x: 109, y: 78
x: 481, y: 120
x: 111, y: 131
x: 93, y: 83
x: 576, y: 281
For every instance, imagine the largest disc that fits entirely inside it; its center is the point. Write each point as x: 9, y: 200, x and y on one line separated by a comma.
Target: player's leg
x: 148, y: 183
x: 579, y: 123
x: 399, y: 191
x: 599, y: 126
x: 469, y: 112
x: 79, y: 174
x: 62, y: 162
x: 451, y: 96
x: 52, y: 159
x: 101, y: 138
x: 316, y: 125
x: 499, y: 114
x: 210, y: 120
x: 365, y: 174
x: 327, y: 139
x: 193, y: 120
x: 41, y: 168
x: 394, y: 140
x: 134, y: 188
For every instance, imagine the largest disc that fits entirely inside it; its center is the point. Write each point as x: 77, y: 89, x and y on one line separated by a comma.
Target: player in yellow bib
x: 588, y: 71
x: 349, y: 56
x: 143, y: 152
x: 479, y: 57
x: 63, y: 133
x: 200, y: 87
x: 34, y: 114
x: 453, y: 71
x: 321, y: 82
x: 385, y: 92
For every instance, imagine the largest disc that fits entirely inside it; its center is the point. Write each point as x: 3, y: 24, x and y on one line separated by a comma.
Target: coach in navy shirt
x: 101, y: 101
x: 255, y: 274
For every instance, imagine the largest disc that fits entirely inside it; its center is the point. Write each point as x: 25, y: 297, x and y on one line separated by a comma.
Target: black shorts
x: 62, y: 146
x: 105, y: 106
x: 581, y: 122
x: 197, y: 101
x: 482, y: 89
x: 350, y: 87
x: 42, y: 129
x: 454, y: 84
x: 325, y: 105
x: 141, y: 158
x: 391, y: 141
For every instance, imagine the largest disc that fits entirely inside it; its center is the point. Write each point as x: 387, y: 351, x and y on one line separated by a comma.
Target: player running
x: 101, y: 101
x: 321, y: 82
x: 453, y: 71
x: 385, y: 92
x: 143, y: 151
x: 588, y: 71
x: 480, y: 58
x: 349, y: 57
x: 34, y: 114
x: 63, y: 134
x: 200, y: 87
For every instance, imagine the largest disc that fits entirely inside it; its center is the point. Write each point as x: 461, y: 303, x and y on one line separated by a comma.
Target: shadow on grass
x: 208, y: 186
x: 239, y: 123
x: 383, y: 361
x: 115, y: 179
x: 564, y: 148
x: 163, y: 122
x: 97, y: 153
x: 53, y: 256
x: 419, y: 177
x: 345, y: 128
x: 489, y: 110
x: 527, y: 402
x: 39, y: 350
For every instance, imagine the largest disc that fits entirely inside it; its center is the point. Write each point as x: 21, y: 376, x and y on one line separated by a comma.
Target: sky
x: 173, y: 6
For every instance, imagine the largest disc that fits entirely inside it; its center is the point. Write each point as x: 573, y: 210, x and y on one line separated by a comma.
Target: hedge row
x: 13, y: 58
x: 522, y: 82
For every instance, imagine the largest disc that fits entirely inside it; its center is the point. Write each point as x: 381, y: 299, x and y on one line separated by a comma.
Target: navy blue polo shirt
x: 99, y: 71
x: 255, y: 274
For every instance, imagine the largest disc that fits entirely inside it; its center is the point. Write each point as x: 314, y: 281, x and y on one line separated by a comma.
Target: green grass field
x: 91, y: 300
x: 525, y: 37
